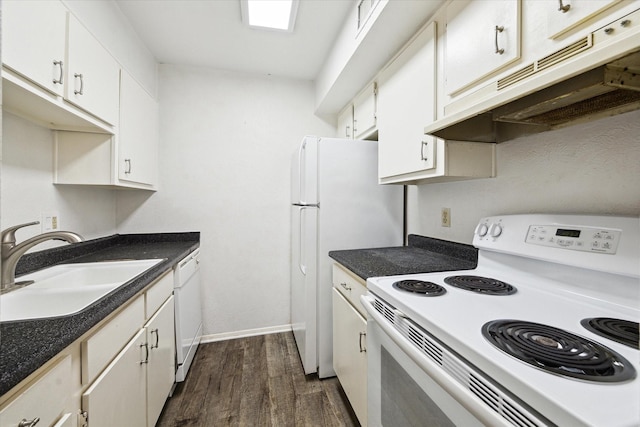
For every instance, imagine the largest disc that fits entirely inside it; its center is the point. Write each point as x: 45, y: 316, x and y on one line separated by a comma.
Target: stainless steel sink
x: 68, y: 288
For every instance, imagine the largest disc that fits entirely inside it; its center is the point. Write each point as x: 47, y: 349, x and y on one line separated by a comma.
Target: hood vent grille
x: 547, y: 61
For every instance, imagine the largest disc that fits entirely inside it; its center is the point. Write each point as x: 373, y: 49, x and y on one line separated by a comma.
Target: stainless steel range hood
x: 603, y: 79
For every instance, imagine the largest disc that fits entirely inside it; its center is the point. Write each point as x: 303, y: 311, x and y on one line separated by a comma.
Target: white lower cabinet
x: 161, y: 371
x: 138, y: 380
x: 45, y: 398
x: 349, y: 341
x: 118, y: 396
x: 120, y: 373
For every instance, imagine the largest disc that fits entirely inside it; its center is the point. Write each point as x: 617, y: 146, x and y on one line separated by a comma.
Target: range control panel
x: 579, y: 238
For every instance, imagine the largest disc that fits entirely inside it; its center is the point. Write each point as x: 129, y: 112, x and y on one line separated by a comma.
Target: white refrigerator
x: 336, y: 204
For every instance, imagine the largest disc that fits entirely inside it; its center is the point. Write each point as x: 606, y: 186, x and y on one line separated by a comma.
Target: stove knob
x: 482, y: 230
x: 496, y: 230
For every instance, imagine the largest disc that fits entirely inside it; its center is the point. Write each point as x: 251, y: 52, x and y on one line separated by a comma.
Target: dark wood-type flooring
x: 255, y: 381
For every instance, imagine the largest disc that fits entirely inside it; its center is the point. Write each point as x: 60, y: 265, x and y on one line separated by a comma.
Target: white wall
x: 226, y: 141
x: 28, y: 192
x: 592, y: 168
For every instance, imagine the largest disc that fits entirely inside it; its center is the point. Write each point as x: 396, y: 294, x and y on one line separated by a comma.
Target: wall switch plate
x: 445, y: 217
x: 50, y: 222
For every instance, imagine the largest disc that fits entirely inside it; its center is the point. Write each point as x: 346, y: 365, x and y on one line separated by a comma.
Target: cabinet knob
x: 27, y: 423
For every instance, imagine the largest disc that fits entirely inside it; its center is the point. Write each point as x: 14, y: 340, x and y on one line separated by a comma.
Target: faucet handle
x: 9, y: 234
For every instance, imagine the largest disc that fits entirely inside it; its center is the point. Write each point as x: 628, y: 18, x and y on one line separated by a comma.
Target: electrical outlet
x: 50, y: 222
x: 445, y: 217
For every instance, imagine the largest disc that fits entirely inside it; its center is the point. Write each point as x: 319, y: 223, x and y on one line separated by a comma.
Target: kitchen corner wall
x: 28, y: 191
x: 226, y: 141
x: 592, y: 168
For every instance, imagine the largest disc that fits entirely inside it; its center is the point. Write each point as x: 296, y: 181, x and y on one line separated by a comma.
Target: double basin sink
x: 66, y: 289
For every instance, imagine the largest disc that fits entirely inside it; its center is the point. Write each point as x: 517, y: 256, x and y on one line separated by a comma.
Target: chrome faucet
x: 11, y: 253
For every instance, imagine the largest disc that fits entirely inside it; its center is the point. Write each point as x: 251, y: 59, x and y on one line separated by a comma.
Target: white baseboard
x: 246, y: 333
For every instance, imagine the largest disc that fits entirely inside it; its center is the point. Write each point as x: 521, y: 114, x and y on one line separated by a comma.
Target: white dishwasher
x: 188, y: 312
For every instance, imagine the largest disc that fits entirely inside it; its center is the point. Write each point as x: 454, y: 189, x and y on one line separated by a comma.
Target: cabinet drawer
x: 158, y: 294
x: 46, y: 398
x: 99, y: 349
x: 350, y: 286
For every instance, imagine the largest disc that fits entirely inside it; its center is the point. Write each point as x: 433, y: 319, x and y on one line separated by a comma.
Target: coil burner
x: 558, y: 351
x: 622, y: 331
x: 427, y: 289
x: 479, y: 284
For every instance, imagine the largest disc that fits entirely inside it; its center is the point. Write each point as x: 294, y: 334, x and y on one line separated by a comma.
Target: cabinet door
x: 364, y: 112
x: 34, y: 39
x: 138, y: 133
x: 482, y: 37
x: 93, y: 75
x: 118, y: 396
x: 161, y: 370
x: 349, y: 354
x: 46, y: 398
x: 345, y: 123
x: 562, y: 16
x: 406, y: 104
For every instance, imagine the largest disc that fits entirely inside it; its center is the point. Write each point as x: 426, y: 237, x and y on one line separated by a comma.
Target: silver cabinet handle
x: 79, y: 92
x: 344, y: 285
x: 355, y: 126
x: 60, y: 79
x: 27, y: 423
x: 146, y: 358
x: 346, y: 131
x: 422, y: 157
x: 155, y: 331
x: 564, y: 8
x: 362, y: 349
x: 127, y: 163
x: 499, y: 29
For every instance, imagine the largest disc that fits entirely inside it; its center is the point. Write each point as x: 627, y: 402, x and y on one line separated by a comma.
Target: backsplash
x: 592, y: 168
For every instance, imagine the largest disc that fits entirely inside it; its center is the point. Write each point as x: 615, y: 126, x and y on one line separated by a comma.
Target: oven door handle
x: 463, y: 395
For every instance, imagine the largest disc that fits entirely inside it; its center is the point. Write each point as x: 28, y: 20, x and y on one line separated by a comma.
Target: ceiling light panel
x: 277, y: 15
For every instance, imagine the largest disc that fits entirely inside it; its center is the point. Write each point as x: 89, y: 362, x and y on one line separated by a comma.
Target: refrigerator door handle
x: 301, y: 266
x: 301, y: 172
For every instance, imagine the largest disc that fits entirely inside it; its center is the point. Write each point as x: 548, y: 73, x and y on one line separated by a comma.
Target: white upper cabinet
x: 93, y: 75
x: 406, y: 103
x: 364, y: 112
x: 138, y: 134
x: 482, y: 37
x: 345, y: 123
x: 34, y: 41
x: 564, y: 15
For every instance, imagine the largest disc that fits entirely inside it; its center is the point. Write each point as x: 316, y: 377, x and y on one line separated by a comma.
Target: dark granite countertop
x: 422, y: 255
x: 25, y: 345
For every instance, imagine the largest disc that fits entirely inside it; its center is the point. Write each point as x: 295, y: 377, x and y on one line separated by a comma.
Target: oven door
x: 406, y: 388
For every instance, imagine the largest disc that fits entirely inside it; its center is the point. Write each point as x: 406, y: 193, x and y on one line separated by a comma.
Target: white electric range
x: 543, y: 332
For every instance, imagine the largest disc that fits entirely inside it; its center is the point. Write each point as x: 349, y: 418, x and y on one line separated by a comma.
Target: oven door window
x: 402, y: 394
x: 403, y: 403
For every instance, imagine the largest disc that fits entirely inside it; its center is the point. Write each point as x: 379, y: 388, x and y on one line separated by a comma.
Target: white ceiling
x: 210, y: 33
